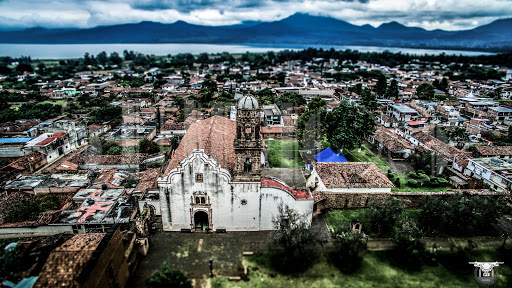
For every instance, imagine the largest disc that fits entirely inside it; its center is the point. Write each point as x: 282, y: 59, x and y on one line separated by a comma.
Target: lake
x: 67, y: 51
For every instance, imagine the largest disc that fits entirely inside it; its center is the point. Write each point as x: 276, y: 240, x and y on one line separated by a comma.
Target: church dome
x: 248, y: 103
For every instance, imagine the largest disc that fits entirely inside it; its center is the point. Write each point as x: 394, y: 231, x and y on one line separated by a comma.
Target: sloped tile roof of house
x: 390, y: 140
x: 448, y: 151
x: 67, y: 261
x: 351, y: 175
x: 494, y: 150
x: 215, y: 136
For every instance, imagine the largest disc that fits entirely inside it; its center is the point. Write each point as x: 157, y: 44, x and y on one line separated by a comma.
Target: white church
x: 214, y: 178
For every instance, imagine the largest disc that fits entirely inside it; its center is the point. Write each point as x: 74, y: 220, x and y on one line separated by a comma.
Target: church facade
x: 213, y: 180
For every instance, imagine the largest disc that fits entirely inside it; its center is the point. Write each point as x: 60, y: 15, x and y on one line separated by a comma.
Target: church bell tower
x: 247, y: 144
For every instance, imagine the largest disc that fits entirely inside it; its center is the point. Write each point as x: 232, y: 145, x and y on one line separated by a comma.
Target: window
x: 199, y: 177
x: 248, y: 165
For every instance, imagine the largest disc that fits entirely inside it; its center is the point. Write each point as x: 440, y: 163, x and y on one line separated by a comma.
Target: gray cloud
x: 429, y: 14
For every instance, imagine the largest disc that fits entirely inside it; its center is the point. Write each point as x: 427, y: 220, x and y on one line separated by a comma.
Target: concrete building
x: 214, y: 179
x: 401, y: 112
x: 493, y: 171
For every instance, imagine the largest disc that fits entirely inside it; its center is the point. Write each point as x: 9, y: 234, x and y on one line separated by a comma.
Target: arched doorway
x: 201, y: 222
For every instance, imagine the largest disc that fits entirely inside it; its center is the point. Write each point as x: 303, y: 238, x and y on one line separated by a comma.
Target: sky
x: 428, y: 14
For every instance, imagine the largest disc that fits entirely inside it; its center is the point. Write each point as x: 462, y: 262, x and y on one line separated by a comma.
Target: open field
x: 364, y: 156
x: 284, y: 154
x: 379, y: 269
x: 342, y: 217
x: 404, y: 187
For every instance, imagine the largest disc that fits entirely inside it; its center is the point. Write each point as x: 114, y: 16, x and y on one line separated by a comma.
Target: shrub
x: 397, y: 182
x: 413, y: 175
x: 423, y: 176
x: 420, y: 172
x: 412, y: 183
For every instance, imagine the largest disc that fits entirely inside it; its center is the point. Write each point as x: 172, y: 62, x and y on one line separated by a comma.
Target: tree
x: 350, y: 248
x: 310, y: 127
x: 347, y: 125
x: 358, y: 88
x: 105, y: 113
x: 147, y: 146
x: 294, y: 239
x: 102, y: 58
x: 383, y: 218
x: 368, y: 99
x: 174, y: 143
x: 459, y: 135
x: 290, y: 98
x: 381, y: 86
x: 406, y: 236
x: 167, y: 278
x: 265, y: 96
x: 425, y: 91
x: 496, y: 93
x: 208, y: 90
x: 115, y: 58
x: 392, y: 91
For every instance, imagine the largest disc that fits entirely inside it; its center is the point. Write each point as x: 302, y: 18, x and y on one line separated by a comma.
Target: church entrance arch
x: 201, y: 221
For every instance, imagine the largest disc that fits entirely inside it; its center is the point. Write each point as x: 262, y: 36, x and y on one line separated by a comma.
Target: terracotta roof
x: 351, y: 175
x: 67, y: 261
x: 494, y: 150
x: 65, y: 166
x: 215, y: 135
x: 297, y: 193
x: 147, y: 179
x: 27, y: 160
x: 273, y: 129
x: 391, y: 140
x: 444, y: 149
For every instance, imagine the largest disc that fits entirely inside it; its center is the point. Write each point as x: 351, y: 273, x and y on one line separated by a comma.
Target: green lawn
x: 366, y: 155
x: 377, y: 270
x: 15, y: 107
x: 342, y: 217
x: 284, y: 154
x: 61, y: 102
x: 406, y: 188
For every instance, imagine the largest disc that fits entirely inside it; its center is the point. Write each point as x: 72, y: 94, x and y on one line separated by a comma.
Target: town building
x: 214, y: 180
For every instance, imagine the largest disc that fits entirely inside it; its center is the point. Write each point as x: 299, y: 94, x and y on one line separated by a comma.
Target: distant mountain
x: 296, y: 29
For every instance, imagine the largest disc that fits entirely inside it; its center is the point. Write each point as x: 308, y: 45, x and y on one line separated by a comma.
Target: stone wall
x: 335, y: 200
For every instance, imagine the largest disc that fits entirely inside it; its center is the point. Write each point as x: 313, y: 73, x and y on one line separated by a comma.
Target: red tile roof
x: 494, y: 150
x: 215, y: 135
x: 297, y: 193
x: 67, y: 261
x: 351, y: 175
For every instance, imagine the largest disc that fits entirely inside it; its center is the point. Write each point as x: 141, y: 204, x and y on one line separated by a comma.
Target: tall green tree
x: 381, y: 86
x: 293, y: 240
x: 167, y: 278
x: 310, y: 126
x: 425, y: 91
x: 392, y: 91
x: 348, y: 125
x: 349, y: 249
x: 368, y: 99
x: 382, y: 219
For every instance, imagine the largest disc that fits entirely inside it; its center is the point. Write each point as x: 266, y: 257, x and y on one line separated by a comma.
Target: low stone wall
x: 335, y: 200
x: 17, y: 232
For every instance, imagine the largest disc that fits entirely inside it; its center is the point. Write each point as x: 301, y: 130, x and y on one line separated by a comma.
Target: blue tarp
x: 329, y: 155
x: 15, y: 140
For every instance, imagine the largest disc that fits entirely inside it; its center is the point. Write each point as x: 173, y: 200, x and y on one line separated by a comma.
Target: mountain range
x: 296, y: 29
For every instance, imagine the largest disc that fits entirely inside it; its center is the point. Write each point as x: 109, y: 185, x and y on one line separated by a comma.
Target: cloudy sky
x: 429, y: 14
